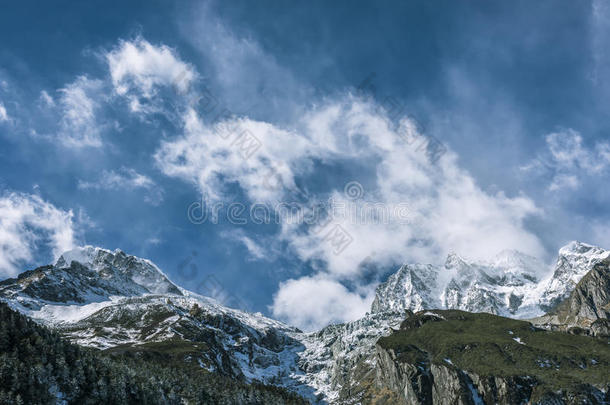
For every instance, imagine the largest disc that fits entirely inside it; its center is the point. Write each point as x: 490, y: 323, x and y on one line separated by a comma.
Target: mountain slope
x: 450, y: 356
x: 39, y: 367
x: 122, y: 304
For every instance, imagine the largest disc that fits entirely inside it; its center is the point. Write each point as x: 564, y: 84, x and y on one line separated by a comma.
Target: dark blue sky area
x: 493, y: 81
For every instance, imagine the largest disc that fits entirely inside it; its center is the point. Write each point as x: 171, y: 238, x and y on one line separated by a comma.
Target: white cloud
x: 567, y: 160
x: 126, y: 179
x: 568, y: 152
x: 138, y: 68
x: 3, y: 114
x: 212, y: 155
x: 46, y: 98
x: 79, y: 103
x: 154, y: 241
x: 28, y: 224
x: 448, y: 211
x: 314, y: 302
x: 70, y: 117
x: 255, y: 250
x: 563, y: 182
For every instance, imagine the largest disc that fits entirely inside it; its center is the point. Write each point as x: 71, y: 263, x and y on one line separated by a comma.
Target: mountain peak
x: 576, y: 247
x: 574, y: 261
x: 455, y: 261
x: 84, y: 255
x: 87, y: 275
x: 582, y: 249
x: 576, y: 258
x: 509, y: 284
x: 115, y: 263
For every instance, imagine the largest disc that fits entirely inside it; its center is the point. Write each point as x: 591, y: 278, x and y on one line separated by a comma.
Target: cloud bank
x: 448, y: 211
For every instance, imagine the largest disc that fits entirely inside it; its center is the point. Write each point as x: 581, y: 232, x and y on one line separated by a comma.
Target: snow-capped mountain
x: 114, y: 301
x: 573, y: 263
x: 106, y: 299
x: 587, y: 308
x: 84, y: 279
x: 509, y: 285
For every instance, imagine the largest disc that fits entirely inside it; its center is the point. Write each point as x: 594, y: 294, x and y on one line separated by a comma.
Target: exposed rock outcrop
x: 420, y: 374
x: 587, y: 309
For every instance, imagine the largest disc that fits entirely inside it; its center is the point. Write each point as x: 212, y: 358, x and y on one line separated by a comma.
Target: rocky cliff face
x: 428, y: 383
x: 587, y: 308
x: 504, y: 364
x: 573, y: 262
x: 339, y: 362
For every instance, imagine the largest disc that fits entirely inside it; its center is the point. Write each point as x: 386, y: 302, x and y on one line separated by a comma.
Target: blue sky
x: 117, y: 120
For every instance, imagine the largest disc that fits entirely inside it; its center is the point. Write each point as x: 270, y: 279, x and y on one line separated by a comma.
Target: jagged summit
x: 573, y: 262
x: 576, y: 247
x: 511, y: 284
x: 119, y: 264
x: 84, y: 280
x: 84, y: 255
x: 454, y: 260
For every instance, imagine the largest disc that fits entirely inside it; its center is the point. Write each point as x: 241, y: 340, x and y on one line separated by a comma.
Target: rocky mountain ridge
x: 512, y: 284
x: 587, y: 308
x: 117, y: 302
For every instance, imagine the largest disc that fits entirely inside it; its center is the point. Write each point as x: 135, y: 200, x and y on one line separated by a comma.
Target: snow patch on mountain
x: 333, y: 355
